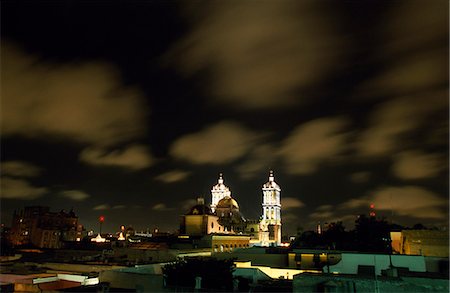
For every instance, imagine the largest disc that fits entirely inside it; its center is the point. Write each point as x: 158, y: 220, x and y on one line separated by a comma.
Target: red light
x: 101, y: 219
x: 372, y: 205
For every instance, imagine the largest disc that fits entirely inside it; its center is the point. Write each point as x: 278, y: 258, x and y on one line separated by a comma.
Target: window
x: 212, y: 225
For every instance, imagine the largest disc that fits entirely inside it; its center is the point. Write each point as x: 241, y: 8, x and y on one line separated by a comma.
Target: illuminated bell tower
x: 271, y: 219
x: 218, y: 192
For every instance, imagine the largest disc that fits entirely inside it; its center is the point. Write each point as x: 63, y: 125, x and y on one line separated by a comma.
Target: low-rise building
x: 421, y: 242
x: 39, y: 227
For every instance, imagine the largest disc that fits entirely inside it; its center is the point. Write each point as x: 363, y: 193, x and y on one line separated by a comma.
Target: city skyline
x: 131, y: 111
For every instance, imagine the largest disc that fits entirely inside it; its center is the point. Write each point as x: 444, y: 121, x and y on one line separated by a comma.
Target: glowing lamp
x: 101, y: 219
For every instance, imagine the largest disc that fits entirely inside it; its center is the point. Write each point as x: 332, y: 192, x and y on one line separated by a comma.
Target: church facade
x: 223, y: 216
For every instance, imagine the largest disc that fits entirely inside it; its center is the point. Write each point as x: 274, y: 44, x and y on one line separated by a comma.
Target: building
x: 39, y: 227
x: 200, y: 220
x: 270, y: 226
x: 421, y: 242
x: 224, y: 217
x: 218, y: 192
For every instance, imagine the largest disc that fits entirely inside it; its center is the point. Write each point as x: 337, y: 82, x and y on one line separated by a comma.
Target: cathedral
x: 223, y: 217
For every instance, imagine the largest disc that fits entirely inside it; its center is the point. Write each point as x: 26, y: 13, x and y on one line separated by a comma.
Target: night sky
x: 130, y: 109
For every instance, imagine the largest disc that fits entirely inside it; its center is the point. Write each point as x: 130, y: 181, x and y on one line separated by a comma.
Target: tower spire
x: 218, y: 192
x: 271, y: 218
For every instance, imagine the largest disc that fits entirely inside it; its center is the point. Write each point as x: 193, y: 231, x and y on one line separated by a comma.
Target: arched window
x: 212, y: 225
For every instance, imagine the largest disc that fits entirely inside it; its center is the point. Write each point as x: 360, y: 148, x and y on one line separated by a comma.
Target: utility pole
x: 101, y: 219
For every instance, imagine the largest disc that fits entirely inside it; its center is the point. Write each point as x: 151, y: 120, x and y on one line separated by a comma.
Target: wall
x: 338, y: 283
x: 350, y: 261
x: 133, y: 281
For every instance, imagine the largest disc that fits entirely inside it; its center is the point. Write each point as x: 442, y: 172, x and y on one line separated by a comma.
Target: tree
x: 372, y: 235
x: 335, y: 237
x: 215, y: 274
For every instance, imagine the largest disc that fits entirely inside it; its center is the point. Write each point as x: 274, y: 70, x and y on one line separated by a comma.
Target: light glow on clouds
x: 13, y: 188
x: 412, y: 201
x: 102, y: 207
x: 160, y: 207
x: 81, y: 102
x: 173, y: 176
x: 291, y: 203
x: 313, y: 143
x: 259, y: 159
x: 417, y: 165
x: 360, y: 177
x: 257, y: 53
x: 134, y: 157
x: 20, y: 169
x: 220, y: 143
x: 395, y: 118
x: 76, y: 195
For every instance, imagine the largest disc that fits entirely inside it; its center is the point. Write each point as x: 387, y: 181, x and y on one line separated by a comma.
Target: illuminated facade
x: 218, y: 192
x: 421, y: 242
x: 39, y: 227
x: 270, y: 226
x: 223, y: 216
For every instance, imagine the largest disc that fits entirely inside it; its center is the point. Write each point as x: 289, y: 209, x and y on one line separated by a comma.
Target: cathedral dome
x: 227, y: 202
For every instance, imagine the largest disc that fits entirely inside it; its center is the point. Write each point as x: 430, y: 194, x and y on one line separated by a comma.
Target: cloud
x: 160, y: 207
x: 102, y: 207
x: 415, y: 48
x: 421, y: 72
x: 417, y: 165
x: 360, y: 177
x: 412, y: 201
x: 173, y: 176
x: 395, y: 118
x: 118, y: 207
x: 259, y: 159
x: 133, y: 157
x: 313, y: 143
x: 217, y: 144
x: 290, y: 203
x: 414, y: 76
x: 410, y: 24
x: 290, y: 218
x: 187, y: 204
x: 258, y: 55
x: 323, y: 212
x: 76, y: 195
x: 13, y: 188
x: 83, y: 102
x: 20, y: 169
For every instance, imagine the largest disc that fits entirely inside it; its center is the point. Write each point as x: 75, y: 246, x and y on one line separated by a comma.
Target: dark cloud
x: 261, y: 53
